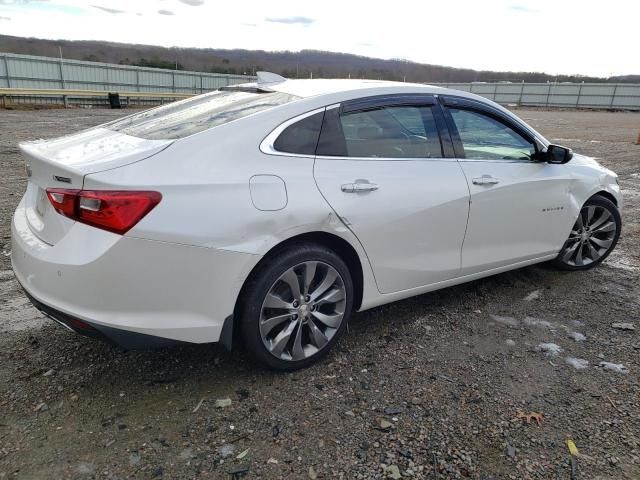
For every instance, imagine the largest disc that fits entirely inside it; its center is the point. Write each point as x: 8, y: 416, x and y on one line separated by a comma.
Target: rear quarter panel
x: 204, y: 180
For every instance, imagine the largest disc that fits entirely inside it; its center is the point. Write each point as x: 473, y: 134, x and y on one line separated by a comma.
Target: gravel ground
x: 431, y: 387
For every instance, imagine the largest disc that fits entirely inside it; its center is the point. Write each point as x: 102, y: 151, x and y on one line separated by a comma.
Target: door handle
x: 485, y: 180
x: 359, y: 186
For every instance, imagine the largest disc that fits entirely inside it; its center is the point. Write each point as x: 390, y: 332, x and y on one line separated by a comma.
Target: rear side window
x: 300, y: 137
x: 385, y: 132
x: 184, y: 118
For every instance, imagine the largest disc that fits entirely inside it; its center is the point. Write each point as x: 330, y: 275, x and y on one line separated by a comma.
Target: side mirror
x: 558, y: 154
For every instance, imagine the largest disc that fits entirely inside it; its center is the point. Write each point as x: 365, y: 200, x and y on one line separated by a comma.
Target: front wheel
x: 593, y: 236
x: 296, y: 307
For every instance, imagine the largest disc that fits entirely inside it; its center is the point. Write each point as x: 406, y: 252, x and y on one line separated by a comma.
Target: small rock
x: 74, y: 397
x: 393, y: 410
x: 532, y: 296
x: 42, y: 407
x: 393, y: 472
x: 510, y: 343
x: 223, y: 402
x: 312, y: 473
x: 48, y: 373
x: 272, y: 461
x: 134, y: 459
x: 416, y: 401
x: 405, y: 452
x: 349, y: 413
x: 623, y: 326
x: 510, y: 451
x: 382, y: 424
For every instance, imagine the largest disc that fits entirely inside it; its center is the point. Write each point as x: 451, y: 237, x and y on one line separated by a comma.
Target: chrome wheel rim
x: 591, y: 237
x: 302, y: 311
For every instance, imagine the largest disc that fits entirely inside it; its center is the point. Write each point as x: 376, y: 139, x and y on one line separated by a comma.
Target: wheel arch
x: 335, y: 243
x: 605, y: 194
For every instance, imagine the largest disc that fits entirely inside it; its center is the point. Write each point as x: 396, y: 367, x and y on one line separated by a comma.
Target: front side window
x: 485, y: 138
x: 382, y: 132
x: 195, y: 114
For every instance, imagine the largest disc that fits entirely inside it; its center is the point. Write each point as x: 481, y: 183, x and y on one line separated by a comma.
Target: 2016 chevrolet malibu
x: 268, y: 212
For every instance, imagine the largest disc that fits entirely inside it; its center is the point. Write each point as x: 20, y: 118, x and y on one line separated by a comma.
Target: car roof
x: 344, y: 89
x: 313, y: 87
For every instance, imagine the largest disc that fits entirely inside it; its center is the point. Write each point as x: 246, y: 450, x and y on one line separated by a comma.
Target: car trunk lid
x: 63, y: 163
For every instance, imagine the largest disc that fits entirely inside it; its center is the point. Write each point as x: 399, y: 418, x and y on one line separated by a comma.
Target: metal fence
x: 138, y: 84
x: 617, y: 96
x: 32, y: 72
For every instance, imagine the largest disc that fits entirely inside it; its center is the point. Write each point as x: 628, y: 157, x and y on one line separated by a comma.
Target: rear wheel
x: 296, y: 307
x: 593, y: 236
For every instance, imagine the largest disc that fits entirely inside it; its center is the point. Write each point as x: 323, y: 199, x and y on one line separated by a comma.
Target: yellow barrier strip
x: 86, y: 93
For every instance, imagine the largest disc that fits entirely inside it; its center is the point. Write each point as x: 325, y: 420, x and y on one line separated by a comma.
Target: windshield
x: 193, y: 115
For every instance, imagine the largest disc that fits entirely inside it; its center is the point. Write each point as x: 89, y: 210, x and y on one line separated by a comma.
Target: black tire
x: 261, y: 283
x: 601, y: 205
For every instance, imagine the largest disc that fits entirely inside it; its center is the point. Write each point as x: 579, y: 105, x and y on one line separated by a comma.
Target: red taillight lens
x: 115, y: 211
x: 63, y: 201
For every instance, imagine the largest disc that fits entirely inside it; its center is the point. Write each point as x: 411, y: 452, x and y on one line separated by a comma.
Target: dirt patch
x: 439, y: 386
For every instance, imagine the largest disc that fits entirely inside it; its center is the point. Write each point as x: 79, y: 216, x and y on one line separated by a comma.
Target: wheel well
x: 338, y: 245
x: 606, y: 195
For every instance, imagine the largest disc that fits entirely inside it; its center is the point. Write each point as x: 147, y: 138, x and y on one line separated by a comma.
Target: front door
x: 519, y: 206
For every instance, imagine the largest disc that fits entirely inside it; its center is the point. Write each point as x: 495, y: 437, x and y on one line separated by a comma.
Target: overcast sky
x: 555, y: 36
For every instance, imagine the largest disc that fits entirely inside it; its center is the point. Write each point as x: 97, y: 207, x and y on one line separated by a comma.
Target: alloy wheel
x: 591, y: 237
x: 302, y: 311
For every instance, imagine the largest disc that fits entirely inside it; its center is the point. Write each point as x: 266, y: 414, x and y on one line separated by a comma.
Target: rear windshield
x: 193, y: 115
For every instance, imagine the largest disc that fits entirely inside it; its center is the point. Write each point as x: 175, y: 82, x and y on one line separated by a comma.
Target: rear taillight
x: 115, y: 211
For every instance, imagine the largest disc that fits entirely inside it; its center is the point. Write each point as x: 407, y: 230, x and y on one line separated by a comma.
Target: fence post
x: 579, y: 92
x: 613, y: 97
x: 62, y: 82
x: 6, y: 69
x: 495, y: 92
x: 548, y: 94
x: 200, y: 84
x: 521, y: 93
x: 173, y: 81
x: 137, y: 80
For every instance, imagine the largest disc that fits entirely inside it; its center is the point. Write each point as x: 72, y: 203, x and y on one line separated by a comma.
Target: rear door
x: 381, y: 166
x: 519, y: 206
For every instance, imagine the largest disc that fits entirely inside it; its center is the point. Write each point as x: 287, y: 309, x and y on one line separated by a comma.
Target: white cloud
x: 587, y: 37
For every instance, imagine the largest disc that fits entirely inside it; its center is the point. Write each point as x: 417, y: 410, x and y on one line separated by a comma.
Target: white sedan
x: 266, y: 213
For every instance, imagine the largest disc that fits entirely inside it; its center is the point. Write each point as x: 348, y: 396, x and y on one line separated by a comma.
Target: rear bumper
x: 122, y: 338
x: 132, y: 291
